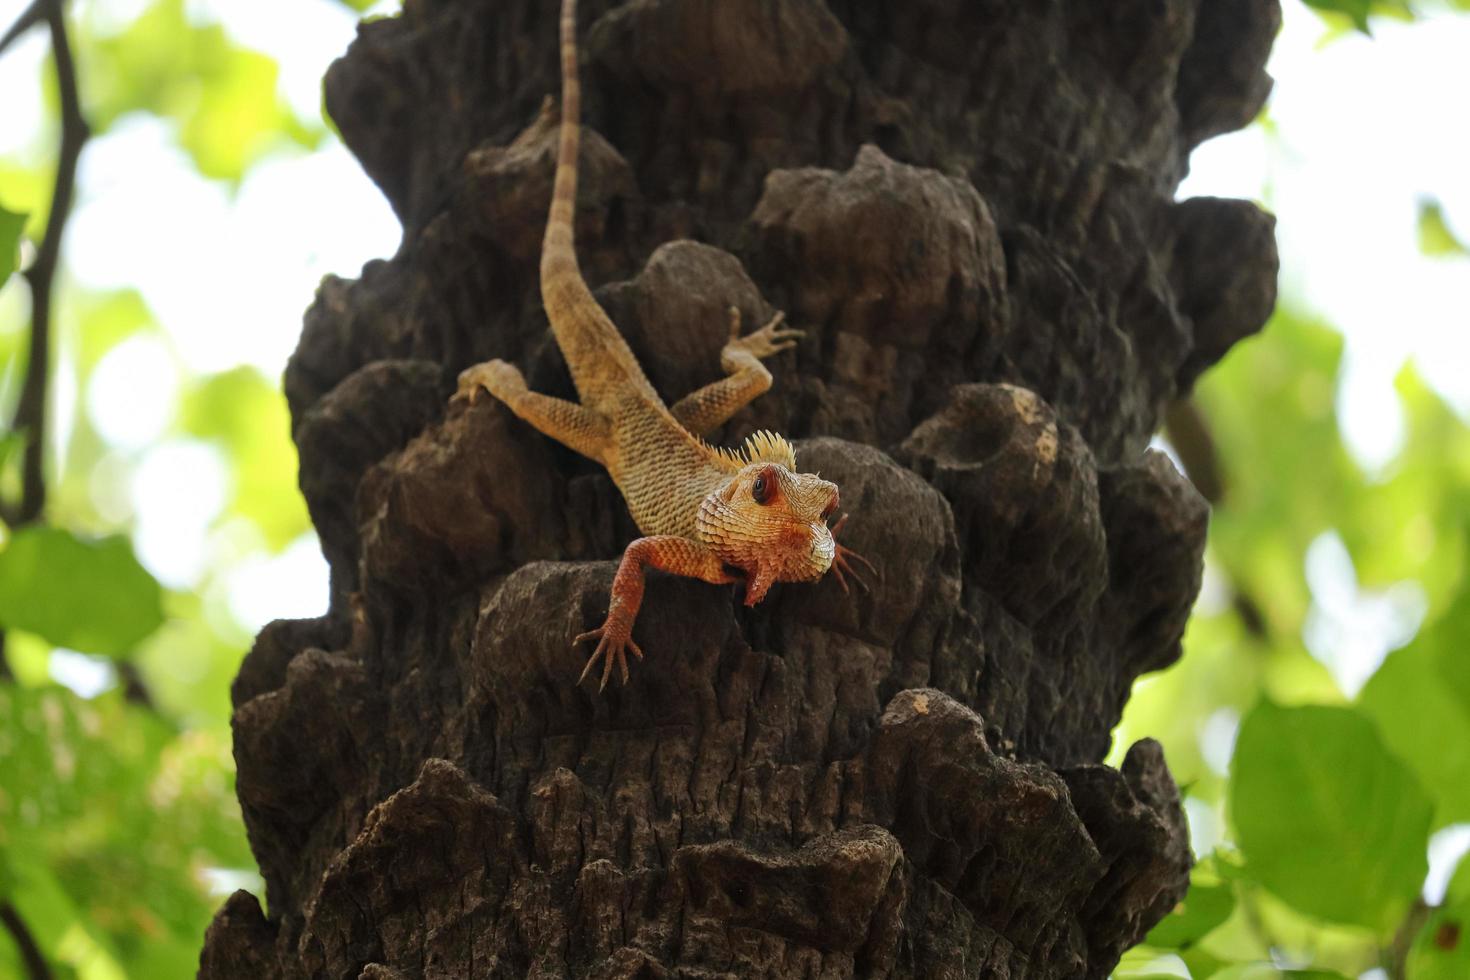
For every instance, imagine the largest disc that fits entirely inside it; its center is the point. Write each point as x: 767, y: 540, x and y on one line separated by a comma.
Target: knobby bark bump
x: 969, y: 206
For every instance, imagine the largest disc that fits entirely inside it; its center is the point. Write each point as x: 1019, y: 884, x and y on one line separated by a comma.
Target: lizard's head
x: 768, y: 519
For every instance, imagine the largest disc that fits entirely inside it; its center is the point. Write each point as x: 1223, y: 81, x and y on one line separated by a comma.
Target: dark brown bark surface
x: 969, y: 208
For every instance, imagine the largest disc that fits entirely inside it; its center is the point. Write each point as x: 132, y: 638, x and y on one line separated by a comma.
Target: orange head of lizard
x: 769, y: 520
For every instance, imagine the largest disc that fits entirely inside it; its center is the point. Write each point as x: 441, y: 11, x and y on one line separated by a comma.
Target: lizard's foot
x: 614, y: 640
x: 501, y: 379
x: 768, y: 340
x: 840, y: 563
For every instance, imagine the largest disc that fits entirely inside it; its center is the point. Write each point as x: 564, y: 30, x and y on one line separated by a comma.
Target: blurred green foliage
x: 1311, y: 807
x: 85, y: 595
x: 119, y: 828
x: 1326, y: 817
x: 245, y: 415
x: 1358, y: 13
x: 1313, y: 826
x: 111, y: 815
x: 222, y: 97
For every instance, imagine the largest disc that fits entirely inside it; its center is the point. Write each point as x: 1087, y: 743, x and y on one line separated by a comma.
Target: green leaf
x: 1458, y: 889
x: 1450, y: 659
x: 1326, y: 817
x: 1414, y: 698
x: 1200, y: 962
x: 1355, y: 10
x: 12, y: 223
x: 358, y: 5
x: 238, y: 117
x: 1204, y: 908
x: 1441, y: 950
x: 91, y: 596
x: 1435, y: 238
x: 1139, y: 963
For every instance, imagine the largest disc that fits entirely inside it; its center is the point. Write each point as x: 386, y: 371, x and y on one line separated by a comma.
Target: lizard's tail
x: 596, y: 354
x: 558, y: 254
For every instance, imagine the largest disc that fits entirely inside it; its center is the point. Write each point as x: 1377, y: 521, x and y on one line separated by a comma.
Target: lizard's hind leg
x: 711, y: 406
x: 570, y: 424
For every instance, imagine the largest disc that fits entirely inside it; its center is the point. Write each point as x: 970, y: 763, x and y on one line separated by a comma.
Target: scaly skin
x: 711, y: 514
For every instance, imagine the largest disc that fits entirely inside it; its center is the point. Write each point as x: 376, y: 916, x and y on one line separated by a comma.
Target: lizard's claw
x: 614, y: 640
x: 769, y: 339
x: 840, y: 563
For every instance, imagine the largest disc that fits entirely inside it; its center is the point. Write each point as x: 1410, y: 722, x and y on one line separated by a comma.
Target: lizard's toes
x: 468, y: 387
x: 607, y: 665
x: 588, y: 668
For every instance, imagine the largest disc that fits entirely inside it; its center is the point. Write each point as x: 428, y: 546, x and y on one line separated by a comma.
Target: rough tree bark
x: 968, y: 204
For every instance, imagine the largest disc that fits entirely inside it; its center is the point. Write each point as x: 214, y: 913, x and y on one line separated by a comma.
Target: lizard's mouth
x: 805, y: 563
x: 805, y: 560
x: 824, y: 549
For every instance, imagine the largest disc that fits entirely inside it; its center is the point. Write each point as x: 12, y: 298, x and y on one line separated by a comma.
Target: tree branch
x: 30, y: 952
x: 30, y: 411
x: 29, y: 18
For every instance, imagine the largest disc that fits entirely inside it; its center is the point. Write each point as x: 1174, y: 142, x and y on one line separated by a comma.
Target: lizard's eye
x: 761, y: 489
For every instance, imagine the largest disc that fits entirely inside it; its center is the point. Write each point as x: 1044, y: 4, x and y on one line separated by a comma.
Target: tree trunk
x: 968, y: 206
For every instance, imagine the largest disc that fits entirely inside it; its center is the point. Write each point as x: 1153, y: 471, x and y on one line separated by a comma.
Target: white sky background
x: 1365, y: 129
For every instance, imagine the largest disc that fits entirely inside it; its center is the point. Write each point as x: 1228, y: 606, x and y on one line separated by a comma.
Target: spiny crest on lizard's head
x: 760, y: 447
x: 768, y: 519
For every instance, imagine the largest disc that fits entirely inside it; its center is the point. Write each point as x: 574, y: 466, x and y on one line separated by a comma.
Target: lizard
x: 714, y: 514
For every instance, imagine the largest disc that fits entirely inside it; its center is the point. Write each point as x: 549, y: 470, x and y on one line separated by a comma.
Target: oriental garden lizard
x: 718, y: 515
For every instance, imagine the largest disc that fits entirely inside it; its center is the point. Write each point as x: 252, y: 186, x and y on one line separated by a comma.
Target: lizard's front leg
x: 665, y: 552
x: 711, y: 406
